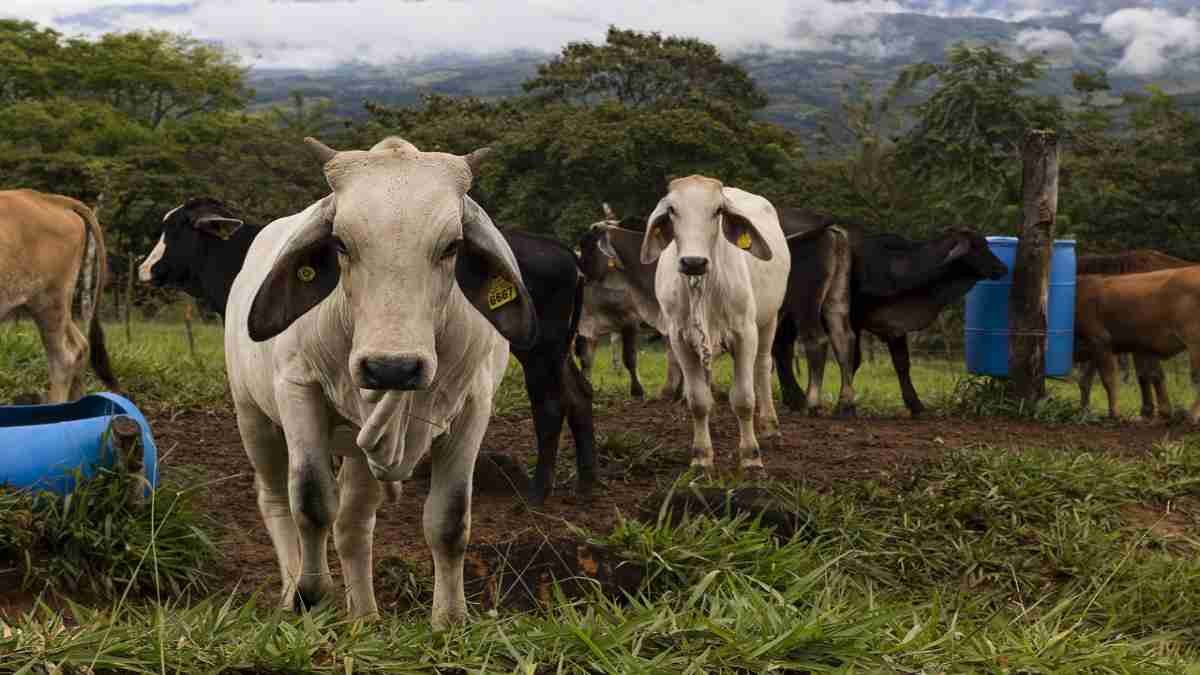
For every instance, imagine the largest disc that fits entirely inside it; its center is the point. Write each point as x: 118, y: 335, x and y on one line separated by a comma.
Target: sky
x: 324, y: 33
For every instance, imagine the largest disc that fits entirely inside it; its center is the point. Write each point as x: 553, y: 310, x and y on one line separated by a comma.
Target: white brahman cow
x: 722, y: 273
x: 371, y: 309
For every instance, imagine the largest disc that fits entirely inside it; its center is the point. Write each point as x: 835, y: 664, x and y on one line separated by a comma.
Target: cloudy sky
x: 323, y: 33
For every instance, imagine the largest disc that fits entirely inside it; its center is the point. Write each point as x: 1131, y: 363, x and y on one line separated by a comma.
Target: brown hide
x: 1129, y: 262
x: 1150, y: 313
x: 43, y: 262
x: 1150, y: 377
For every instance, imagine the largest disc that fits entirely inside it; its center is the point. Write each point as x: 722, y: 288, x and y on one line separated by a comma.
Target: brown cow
x: 1151, y: 380
x: 1154, y: 313
x: 52, y: 256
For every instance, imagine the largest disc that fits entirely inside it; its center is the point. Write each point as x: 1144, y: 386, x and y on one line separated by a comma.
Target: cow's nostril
x: 693, y: 265
x: 393, y: 372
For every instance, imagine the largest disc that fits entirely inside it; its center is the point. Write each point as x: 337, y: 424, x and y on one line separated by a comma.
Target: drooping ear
x: 659, y: 233
x: 960, y: 249
x: 304, y: 273
x: 605, y: 246
x: 488, y: 275
x: 742, y: 233
x: 218, y: 226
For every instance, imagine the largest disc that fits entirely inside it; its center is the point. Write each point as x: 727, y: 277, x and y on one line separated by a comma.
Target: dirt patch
x: 1178, y: 523
x: 817, y: 452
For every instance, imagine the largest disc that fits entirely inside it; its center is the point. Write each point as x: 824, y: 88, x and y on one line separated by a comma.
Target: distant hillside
x: 800, y: 84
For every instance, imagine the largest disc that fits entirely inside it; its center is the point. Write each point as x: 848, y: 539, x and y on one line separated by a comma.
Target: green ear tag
x: 306, y: 273
x: 743, y: 241
x: 500, y: 292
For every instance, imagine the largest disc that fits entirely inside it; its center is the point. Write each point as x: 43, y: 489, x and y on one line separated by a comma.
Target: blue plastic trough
x: 41, y: 446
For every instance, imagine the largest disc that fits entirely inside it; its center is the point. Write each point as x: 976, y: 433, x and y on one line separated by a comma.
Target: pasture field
x: 981, y: 538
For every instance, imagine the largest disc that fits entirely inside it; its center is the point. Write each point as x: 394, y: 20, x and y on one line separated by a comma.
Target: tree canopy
x: 150, y: 119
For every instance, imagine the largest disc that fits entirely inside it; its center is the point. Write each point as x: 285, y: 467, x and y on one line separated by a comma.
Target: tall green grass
x: 94, y: 541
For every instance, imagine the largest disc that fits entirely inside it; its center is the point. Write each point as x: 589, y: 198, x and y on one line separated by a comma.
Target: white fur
x: 156, y: 254
x: 734, y: 307
x: 290, y: 393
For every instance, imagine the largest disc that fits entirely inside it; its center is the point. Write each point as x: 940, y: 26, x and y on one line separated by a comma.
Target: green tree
x: 646, y: 70
x: 965, y: 146
x: 156, y: 76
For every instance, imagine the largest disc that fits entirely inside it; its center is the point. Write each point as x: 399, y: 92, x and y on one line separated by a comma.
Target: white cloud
x: 1055, y: 42
x: 325, y: 33
x: 1152, y: 37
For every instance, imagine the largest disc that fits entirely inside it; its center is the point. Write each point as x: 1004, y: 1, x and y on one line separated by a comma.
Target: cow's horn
x: 475, y: 159
x: 322, y: 152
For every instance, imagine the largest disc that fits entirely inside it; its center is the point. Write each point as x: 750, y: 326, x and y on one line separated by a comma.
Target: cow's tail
x: 93, y: 274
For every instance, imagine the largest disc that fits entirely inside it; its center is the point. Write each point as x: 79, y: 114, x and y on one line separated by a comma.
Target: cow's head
x: 612, y: 244
x: 971, y: 249
x: 396, y: 236
x: 187, y: 230
x: 696, y: 215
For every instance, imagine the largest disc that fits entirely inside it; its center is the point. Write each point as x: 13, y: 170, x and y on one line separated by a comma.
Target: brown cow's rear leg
x: 900, y: 362
x: 1086, y: 376
x: 1164, y: 399
x: 629, y: 351
x: 1108, y: 377
x: 1194, y: 415
x: 65, y: 350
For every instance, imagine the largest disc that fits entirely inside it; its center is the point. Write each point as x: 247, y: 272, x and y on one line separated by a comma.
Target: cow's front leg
x: 447, y: 517
x: 673, y: 387
x: 311, y: 492
x: 698, y: 389
x: 764, y: 396
x: 353, y: 532
x: 629, y: 350
x: 742, y: 395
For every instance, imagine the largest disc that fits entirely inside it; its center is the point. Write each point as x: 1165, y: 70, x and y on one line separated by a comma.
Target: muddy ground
x: 819, y: 452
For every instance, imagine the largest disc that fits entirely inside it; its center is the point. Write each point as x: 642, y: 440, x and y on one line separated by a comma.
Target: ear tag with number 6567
x: 500, y: 292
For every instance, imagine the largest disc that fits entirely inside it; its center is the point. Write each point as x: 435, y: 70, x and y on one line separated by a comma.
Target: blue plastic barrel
x: 987, y: 328
x: 42, y: 445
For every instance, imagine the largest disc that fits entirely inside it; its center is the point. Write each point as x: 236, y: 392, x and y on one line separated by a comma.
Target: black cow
x: 201, y: 251
x: 894, y: 287
x: 204, y: 244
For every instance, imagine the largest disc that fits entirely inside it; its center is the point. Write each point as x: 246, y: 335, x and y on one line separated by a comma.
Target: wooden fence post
x: 129, y: 297
x: 1031, y: 273
x: 188, y: 309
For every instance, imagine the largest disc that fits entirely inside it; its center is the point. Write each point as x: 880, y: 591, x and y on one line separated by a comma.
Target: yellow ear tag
x: 612, y: 264
x: 743, y: 241
x: 306, y: 274
x: 500, y: 292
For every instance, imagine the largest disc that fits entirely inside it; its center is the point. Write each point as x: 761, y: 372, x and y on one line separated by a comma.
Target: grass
x: 94, y: 542
x: 1046, y: 560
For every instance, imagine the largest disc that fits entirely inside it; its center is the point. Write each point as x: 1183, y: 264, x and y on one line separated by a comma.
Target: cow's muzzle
x: 396, y: 373
x: 693, y: 265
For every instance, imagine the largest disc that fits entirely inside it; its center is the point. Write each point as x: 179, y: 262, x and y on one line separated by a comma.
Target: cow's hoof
x: 754, y: 473
x: 585, y: 489
x: 637, y: 392
x: 846, y: 412
x: 306, y: 599
x: 917, y: 411
x: 537, y: 494
x: 796, y: 405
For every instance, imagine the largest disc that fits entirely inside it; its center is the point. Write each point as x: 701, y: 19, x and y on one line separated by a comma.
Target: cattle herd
x: 376, y: 325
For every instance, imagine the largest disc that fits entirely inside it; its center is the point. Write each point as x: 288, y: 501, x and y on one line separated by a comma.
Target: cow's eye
x: 452, y: 249
x: 340, y: 246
